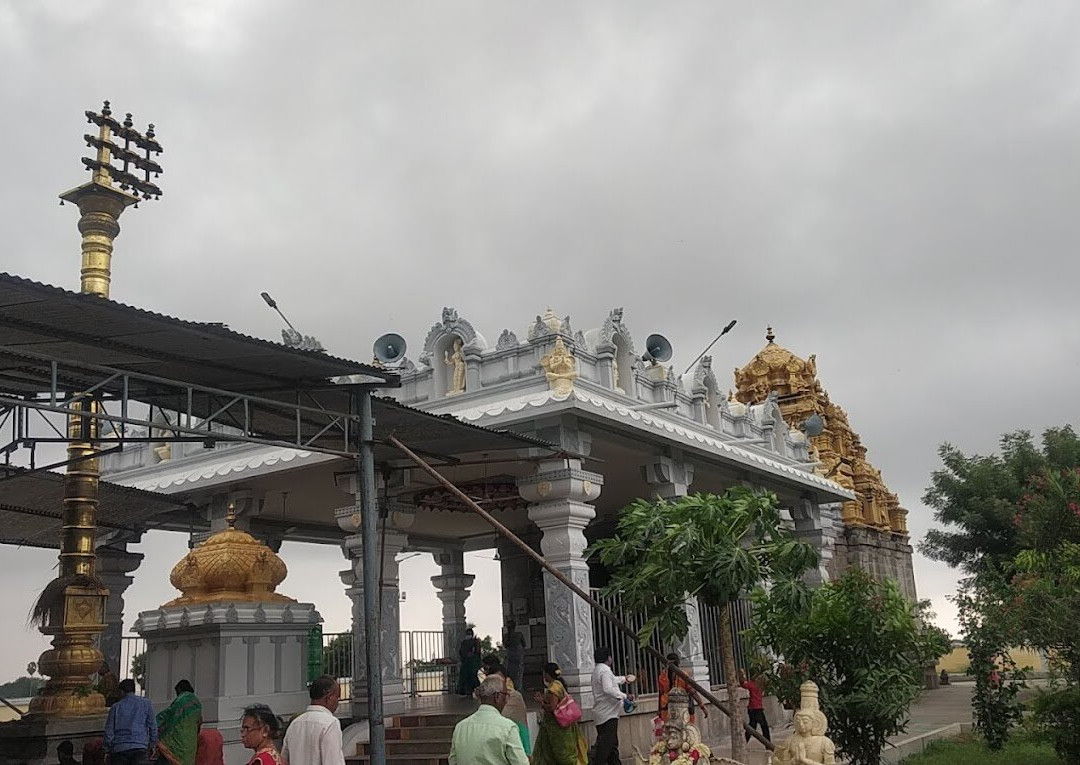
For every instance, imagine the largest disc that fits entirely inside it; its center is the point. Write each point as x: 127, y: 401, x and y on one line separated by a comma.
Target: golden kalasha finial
x: 230, y: 516
x: 769, y: 336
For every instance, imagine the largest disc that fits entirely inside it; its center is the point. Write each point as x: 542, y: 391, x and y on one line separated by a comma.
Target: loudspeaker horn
x: 389, y: 348
x: 657, y: 349
x: 814, y: 425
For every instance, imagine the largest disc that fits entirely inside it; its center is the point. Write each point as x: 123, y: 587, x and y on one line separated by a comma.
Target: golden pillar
x: 72, y: 606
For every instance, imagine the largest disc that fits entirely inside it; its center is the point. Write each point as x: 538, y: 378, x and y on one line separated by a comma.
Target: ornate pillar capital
x: 670, y: 476
x: 557, y: 480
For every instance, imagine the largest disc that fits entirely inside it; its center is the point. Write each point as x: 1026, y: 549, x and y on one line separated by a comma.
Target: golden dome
x: 230, y: 566
x: 774, y: 368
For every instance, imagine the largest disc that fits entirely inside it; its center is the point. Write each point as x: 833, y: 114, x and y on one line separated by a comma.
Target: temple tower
x: 875, y: 525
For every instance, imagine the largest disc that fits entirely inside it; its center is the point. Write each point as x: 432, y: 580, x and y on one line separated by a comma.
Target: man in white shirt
x: 314, y: 737
x: 607, y: 704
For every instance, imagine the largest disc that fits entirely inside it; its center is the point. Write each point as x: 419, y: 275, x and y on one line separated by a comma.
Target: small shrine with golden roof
x: 229, y: 567
x: 840, y: 453
x: 229, y: 633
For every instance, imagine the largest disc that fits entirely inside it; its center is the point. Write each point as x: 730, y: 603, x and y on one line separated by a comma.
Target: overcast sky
x: 892, y: 186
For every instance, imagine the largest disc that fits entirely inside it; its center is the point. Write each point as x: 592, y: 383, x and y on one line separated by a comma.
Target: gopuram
x: 875, y: 535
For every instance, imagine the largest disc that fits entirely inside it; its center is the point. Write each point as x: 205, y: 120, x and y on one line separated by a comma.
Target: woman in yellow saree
x: 556, y: 745
x: 178, y: 727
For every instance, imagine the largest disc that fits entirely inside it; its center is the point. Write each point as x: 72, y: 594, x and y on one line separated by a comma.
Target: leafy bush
x: 1059, y: 712
x: 862, y: 643
x: 987, y: 623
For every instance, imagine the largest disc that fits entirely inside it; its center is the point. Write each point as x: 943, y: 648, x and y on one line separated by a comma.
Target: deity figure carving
x: 679, y: 740
x: 615, y: 373
x: 808, y: 745
x: 457, y: 361
x: 561, y: 369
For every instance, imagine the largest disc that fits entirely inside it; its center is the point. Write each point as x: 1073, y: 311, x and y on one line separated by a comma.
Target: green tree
x: 337, y: 655
x: 977, y: 497
x: 862, y: 643
x: 710, y: 546
x: 1012, y: 521
x: 21, y: 687
x: 138, y: 669
x: 1045, y: 601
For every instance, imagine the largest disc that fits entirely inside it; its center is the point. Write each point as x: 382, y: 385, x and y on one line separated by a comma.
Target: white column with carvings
x: 558, y: 496
x: 452, y: 588
x: 670, y: 478
x: 392, y: 541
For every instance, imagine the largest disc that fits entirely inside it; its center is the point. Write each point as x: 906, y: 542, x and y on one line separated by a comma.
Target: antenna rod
x: 273, y: 304
x: 701, y: 355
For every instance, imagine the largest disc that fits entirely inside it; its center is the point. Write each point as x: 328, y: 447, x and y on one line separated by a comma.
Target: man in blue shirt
x: 130, y: 729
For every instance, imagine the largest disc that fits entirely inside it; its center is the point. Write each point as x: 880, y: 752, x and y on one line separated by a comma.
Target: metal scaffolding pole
x: 369, y: 543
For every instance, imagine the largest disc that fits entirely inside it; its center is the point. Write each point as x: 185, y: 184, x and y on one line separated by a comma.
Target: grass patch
x: 966, y: 750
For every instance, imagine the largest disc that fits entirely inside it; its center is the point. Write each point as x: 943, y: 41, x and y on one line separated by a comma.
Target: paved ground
x: 935, y: 709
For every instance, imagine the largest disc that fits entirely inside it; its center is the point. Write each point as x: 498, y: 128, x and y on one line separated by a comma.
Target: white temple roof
x: 219, y: 468
x: 727, y: 449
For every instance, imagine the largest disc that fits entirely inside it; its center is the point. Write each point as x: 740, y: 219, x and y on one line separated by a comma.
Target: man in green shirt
x: 486, y: 737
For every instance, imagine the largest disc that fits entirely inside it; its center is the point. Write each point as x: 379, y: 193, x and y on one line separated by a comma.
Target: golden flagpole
x: 72, y: 606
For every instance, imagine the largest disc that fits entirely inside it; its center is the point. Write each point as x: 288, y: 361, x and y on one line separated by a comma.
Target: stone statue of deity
x: 560, y: 367
x: 457, y: 361
x: 680, y: 740
x: 808, y: 745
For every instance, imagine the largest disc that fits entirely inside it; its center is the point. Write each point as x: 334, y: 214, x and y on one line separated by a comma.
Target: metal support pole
x: 369, y: 531
x: 728, y: 709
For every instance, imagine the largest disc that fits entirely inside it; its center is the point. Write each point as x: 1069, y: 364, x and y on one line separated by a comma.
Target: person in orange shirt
x: 668, y: 680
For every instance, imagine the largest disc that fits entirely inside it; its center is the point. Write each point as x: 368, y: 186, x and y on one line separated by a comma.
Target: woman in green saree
x: 178, y: 727
x: 556, y: 745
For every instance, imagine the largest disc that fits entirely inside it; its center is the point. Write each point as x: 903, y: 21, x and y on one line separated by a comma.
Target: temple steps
x: 415, y: 740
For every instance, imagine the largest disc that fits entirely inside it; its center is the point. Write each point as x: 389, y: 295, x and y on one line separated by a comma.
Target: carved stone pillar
x: 558, y: 497
x: 670, y: 478
x: 114, y: 566
x: 816, y: 527
x: 452, y: 587
x: 392, y: 541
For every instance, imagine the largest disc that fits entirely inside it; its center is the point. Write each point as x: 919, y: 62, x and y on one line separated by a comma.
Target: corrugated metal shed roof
x: 30, y: 508
x: 68, y: 325
x: 56, y: 324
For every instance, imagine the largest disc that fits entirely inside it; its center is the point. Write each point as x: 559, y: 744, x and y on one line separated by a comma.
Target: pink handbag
x: 567, y: 712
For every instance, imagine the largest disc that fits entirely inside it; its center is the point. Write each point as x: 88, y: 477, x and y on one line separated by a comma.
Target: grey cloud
x: 890, y: 185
